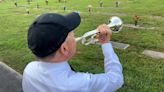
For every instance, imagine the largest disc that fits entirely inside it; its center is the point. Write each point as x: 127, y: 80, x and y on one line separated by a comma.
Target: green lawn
x: 141, y: 73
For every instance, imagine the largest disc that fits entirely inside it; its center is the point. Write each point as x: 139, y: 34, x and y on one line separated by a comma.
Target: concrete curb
x: 10, y: 80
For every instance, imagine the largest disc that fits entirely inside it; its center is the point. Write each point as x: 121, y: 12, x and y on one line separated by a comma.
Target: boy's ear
x: 64, y: 49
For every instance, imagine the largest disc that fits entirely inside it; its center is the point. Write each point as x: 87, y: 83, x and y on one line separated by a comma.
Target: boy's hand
x: 105, y: 34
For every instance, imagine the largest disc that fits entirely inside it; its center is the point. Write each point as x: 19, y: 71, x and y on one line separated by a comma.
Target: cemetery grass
x: 141, y: 73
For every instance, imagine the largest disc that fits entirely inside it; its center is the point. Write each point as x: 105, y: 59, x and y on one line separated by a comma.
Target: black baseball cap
x: 47, y: 33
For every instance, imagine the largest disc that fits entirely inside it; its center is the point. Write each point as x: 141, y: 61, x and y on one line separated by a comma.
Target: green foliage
x: 141, y: 73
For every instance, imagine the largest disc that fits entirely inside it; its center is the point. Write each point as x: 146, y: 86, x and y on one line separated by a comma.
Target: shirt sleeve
x: 112, y: 79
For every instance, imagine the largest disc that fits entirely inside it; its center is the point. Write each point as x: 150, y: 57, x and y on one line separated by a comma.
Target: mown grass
x: 141, y: 73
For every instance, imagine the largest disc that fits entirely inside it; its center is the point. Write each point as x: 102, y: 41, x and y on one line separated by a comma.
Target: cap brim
x: 73, y: 20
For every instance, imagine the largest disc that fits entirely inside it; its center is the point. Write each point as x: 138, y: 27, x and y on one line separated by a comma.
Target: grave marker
x: 154, y: 54
x: 27, y: 11
x: 46, y: 1
x: 28, y: 1
x: 89, y: 8
x: 101, y: 3
x: 119, y: 45
x: 64, y: 8
x: 117, y: 3
x: 136, y: 19
x: 16, y: 4
x: 37, y: 5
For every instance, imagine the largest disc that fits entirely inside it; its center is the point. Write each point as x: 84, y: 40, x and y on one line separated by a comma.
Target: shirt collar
x: 57, y: 66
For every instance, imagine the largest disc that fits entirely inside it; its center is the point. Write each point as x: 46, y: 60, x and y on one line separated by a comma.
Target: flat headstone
x: 10, y: 80
x: 155, y: 17
x: 154, y: 54
x: 120, y: 45
x: 138, y: 27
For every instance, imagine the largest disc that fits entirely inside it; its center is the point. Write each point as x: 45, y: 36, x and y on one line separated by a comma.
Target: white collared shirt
x: 58, y: 77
